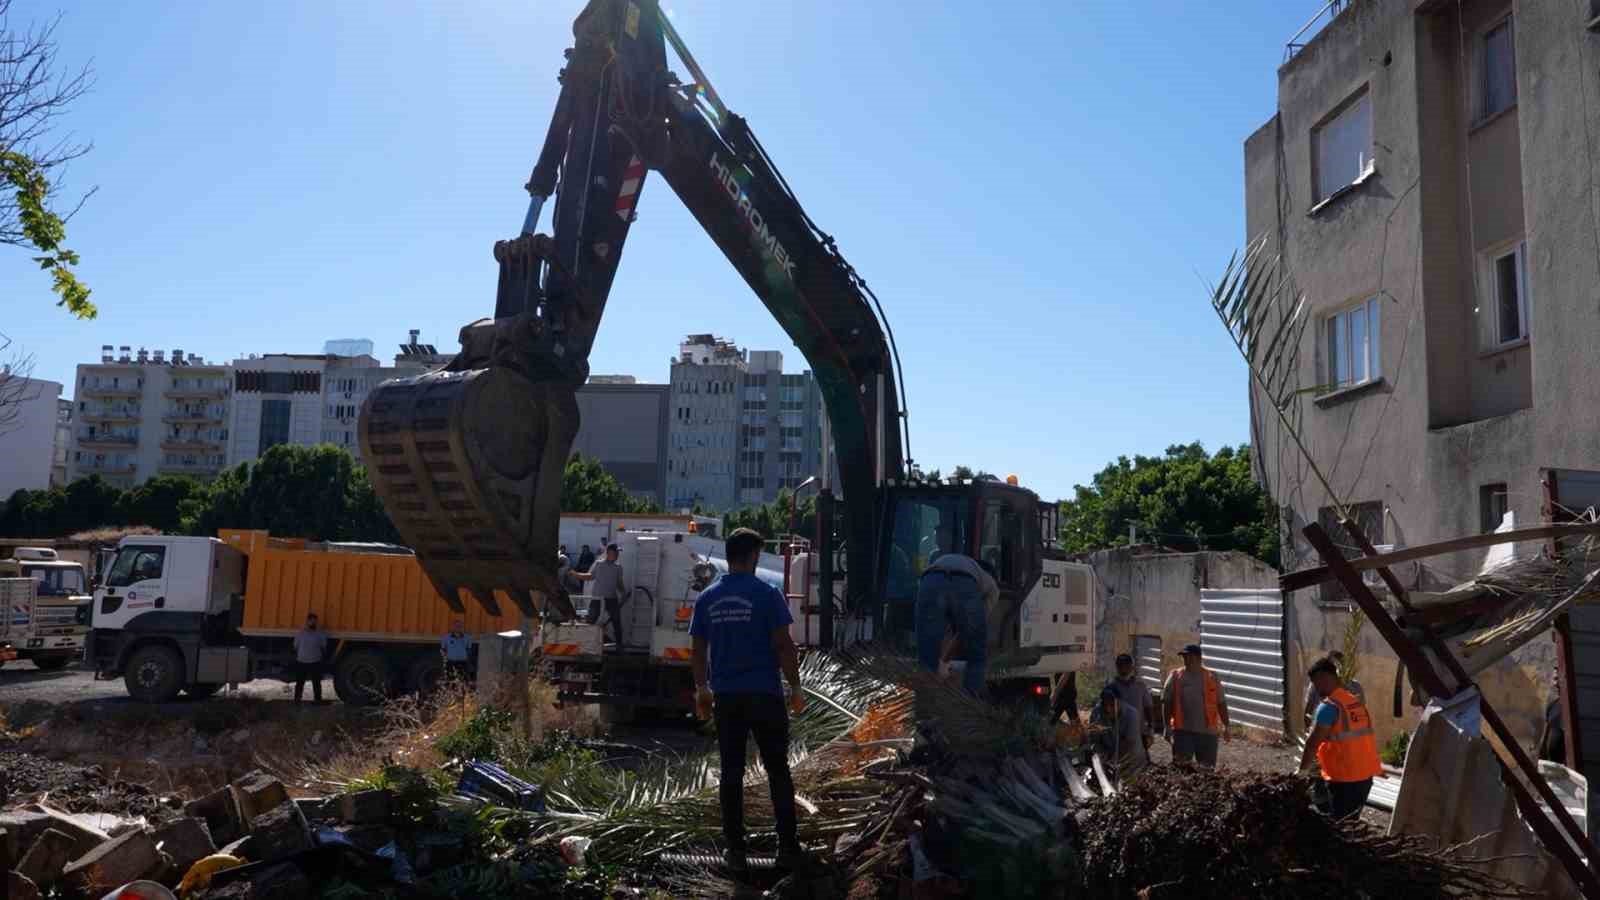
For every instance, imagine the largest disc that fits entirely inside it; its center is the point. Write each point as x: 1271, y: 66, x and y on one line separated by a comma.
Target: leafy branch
x: 45, y: 231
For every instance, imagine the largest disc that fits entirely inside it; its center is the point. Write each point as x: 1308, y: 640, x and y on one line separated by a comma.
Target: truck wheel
x: 362, y: 678
x: 425, y: 674
x: 201, y: 691
x: 154, y: 674
x: 51, y: 663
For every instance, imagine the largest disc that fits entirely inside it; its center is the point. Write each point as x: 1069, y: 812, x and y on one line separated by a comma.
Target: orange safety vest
x: 1351, y: 751
x: 1213, y: 700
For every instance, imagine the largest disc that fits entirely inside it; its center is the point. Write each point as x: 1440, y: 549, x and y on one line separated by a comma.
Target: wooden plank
x: 1316, y: 575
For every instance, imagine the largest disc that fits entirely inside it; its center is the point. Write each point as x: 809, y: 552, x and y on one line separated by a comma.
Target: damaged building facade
x: 1428, y: 181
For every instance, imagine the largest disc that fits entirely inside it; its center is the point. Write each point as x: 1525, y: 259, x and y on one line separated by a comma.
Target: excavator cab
x: 991, y: 521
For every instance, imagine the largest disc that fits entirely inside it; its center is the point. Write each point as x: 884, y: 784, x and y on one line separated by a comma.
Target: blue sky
x: 1035, y: 191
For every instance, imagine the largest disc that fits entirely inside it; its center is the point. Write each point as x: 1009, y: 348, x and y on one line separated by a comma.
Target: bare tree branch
x: 34, y: 92
x: 16, y: 387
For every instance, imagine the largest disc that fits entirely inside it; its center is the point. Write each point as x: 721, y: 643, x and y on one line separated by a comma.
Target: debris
x: 115, y: 862
x: 141, y: 890
x: 573, y: 849
x: 316, y: 809
x: 277, y: 833
x: 186, y: 841
x: 488, y: 781
x: 50, y: 853
x: 201, y: 873
x: 277, y: 881
x: 365, y: 807
x: 220, y: 813
x: 258, y: 793
x: 20, y: 887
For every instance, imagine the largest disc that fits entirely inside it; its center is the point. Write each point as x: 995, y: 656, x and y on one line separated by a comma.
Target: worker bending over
x: 956, y: 592
x: 1197, y: 713
x: 740, y: 627
x: 1342, y: 743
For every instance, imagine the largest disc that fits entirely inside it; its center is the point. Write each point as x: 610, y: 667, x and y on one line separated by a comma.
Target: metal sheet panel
x: 1241, y: 632
x: 1148, y: 661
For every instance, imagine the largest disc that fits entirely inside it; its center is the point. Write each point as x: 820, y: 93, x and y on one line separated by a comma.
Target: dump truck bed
x: 370, y: 594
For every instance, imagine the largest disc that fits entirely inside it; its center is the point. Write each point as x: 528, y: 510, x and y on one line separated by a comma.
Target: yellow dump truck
x: 191, y: 614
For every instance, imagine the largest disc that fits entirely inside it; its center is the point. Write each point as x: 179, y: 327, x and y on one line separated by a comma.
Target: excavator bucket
x: 468, y: 464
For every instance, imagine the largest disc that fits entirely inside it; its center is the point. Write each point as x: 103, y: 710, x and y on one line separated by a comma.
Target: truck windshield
x: 925, y: 525
x: 56, y: 581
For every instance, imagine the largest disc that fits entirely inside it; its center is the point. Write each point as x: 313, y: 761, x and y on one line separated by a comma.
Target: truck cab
x: 52, y: 632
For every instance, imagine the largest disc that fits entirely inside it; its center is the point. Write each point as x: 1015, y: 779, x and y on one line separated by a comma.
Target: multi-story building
x: 27, y: 432
x: 137, y: 415
x: 623, y: 424
x: 62, y: 449
x: 741, y: 430
x: 1429, y: 181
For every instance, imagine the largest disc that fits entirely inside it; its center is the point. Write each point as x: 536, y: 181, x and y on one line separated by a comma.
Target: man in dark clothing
x: 585, y: 558
x: 741, y: 637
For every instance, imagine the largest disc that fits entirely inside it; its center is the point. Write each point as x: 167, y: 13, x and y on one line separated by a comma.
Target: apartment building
x: 62, y: 442
x: 27, y: 432
x: 623, y: 424
x: 741, y: 429
x: 140, y: 414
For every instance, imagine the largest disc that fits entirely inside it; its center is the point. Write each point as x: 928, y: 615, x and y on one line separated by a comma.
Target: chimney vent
x: 177, y: 357
x: 124, y: 353
x: 144, y: 356
x: 107, y: 353
x: 160, y: 357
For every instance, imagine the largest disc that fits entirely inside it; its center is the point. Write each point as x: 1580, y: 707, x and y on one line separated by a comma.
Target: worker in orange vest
x: 1342, y: 743
x: 1197, y: 712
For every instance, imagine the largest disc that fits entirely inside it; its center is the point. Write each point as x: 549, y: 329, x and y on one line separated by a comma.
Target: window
x: 1369, y: 516
x: 1353, y: 339
x: 1497, y: 88
x: 274, y: 425
x: 136, y: 564
x: 1342, y: 147
x: 924, y: 527
x: 56, y: 581
x: 1508, y: 281
x: 1493, y: 501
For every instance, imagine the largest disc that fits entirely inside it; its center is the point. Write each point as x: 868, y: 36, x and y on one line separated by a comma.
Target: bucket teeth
x: 469, y: 465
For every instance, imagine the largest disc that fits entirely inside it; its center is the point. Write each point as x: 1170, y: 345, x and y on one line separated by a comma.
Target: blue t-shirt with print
x: 1327, y: 713
x: 737, y: 615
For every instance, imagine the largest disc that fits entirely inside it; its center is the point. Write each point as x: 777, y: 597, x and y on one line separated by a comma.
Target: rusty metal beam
x: 1586, y: 878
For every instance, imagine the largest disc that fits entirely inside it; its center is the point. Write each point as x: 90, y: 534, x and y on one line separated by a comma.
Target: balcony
x: 194, y: 394
x: 191, y: 417
x: 189, y: 468
x: 105, y: 468
x: 111, y: 416
x: 191, y: 443
x: 108, y: 440
x: 111, y: 392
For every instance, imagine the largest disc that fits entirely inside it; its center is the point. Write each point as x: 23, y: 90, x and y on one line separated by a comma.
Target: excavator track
x: 468, y: 465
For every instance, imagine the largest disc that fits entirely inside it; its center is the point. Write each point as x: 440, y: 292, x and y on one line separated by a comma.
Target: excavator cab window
x: 924, y: 526
x: 1001, y: 544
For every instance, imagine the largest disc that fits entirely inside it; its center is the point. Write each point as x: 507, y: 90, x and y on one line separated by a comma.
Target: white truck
x: 1052, y: 632
x: 48, y: 622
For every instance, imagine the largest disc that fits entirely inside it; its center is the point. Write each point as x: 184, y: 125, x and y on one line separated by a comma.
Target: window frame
x: 1488, y: 503
x: 1481, y: 112
x: 1371, y: 310
x: 1362, y: 95
x: 1491, y: 336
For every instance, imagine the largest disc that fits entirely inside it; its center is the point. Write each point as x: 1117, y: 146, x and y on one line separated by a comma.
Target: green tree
x: 586, y: 486
x: 159, y: 503
x: 1186, y: 499
x: 311, y: 492
x: 772, y: 519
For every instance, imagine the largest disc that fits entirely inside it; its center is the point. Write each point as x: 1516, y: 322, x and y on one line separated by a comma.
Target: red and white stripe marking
x: 632, y: 178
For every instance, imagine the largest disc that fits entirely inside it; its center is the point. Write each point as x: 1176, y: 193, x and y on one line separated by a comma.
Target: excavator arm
x: 468, y: 460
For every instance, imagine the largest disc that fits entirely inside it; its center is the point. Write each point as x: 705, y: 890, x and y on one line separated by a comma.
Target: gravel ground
x: 25, y: 777
x: 21, y: 682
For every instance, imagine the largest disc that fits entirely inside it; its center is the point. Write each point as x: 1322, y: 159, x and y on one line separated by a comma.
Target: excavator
x: 468, y: 460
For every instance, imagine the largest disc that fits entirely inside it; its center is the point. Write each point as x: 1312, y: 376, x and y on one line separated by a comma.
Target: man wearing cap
x: 1342, y: 743
x: 1197, y: 713
x: 606, y: 589
x: 1314, y: 699
x: 1120, y: 741
x: 1135, y: 695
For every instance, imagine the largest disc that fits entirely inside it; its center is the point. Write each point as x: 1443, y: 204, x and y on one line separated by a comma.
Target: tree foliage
x: 586, y: 486
x: 34, y: 92
x: 1186, y: 499
x: 772, y: 519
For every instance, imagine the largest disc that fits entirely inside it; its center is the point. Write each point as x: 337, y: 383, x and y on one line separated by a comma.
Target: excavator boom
x: 468, y: 460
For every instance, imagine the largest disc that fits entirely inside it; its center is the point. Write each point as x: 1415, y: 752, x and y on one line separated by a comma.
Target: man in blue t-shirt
x: 741, y: 638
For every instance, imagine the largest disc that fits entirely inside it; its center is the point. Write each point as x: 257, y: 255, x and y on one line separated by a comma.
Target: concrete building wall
x: 27, y: 433
x: 140, y: 415
x: 62, y: 449
x: 704, y: 399
x: 625, y: 426
x: 1457, y: 414
x: 1144, y: 593
x: 260, y: 386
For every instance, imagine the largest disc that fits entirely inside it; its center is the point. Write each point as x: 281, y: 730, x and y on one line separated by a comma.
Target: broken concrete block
x: 221, y: 815
x: 50, y: 853
x: 114, y: 863
x: 316, y: 808
x: 20, y: 887
x: 365, y: 808
x: 186, y: 841
x: 258, y: 793
x: 23, y: 827
x: 284, y: 881
x: 279, y: 833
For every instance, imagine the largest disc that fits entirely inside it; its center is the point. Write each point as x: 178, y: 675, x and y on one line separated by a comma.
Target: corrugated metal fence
x: 1147, y: 660
x: 1241, y: 632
